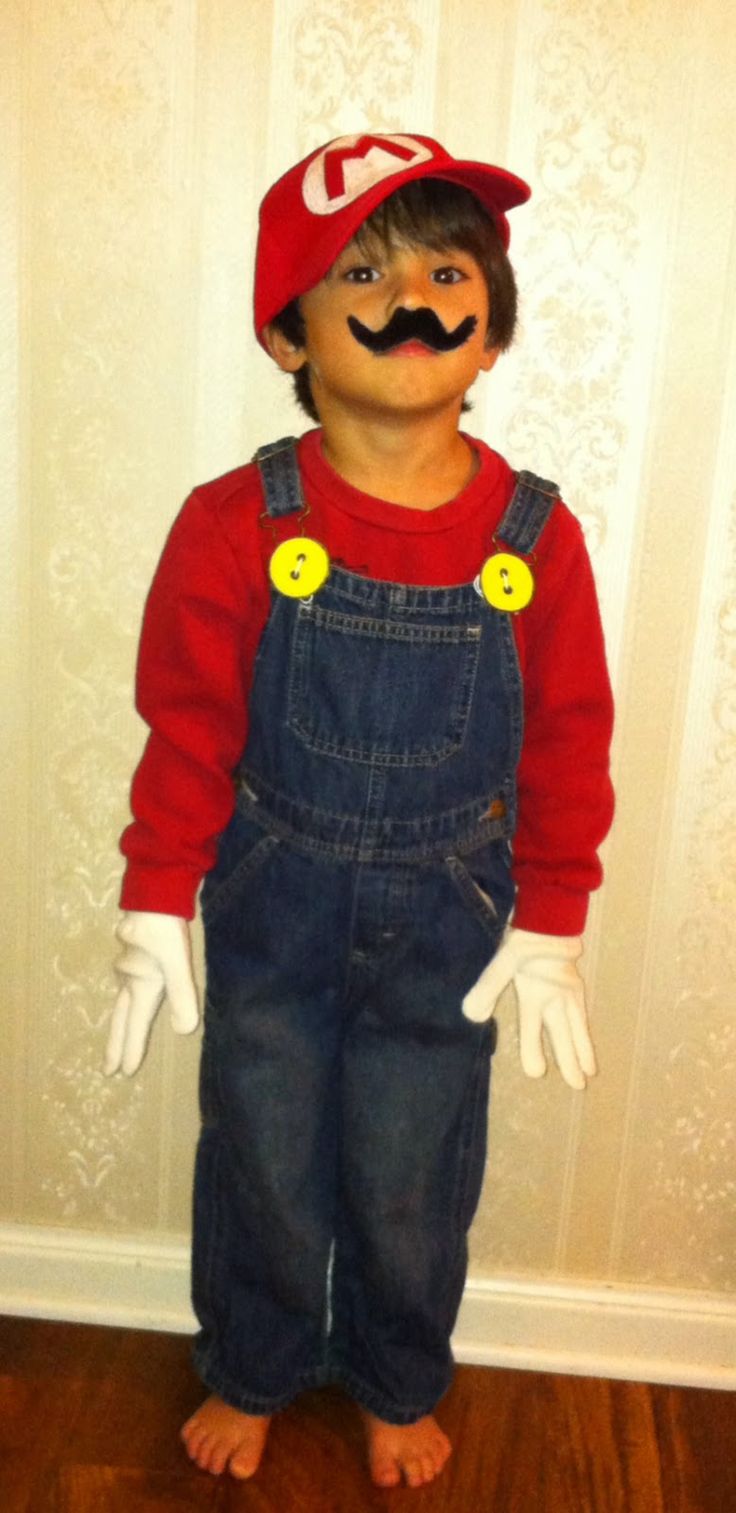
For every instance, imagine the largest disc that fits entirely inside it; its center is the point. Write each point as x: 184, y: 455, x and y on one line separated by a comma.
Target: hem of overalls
x: 330, y: 1375
x: 252, y: 1402
x: 376, y: 1403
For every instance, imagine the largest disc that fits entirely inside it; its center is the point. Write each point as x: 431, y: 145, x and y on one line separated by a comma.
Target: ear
x: 289, y: 358
x: 489, y: 358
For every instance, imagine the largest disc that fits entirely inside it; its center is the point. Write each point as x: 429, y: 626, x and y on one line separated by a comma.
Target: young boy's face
x: 353, y: 369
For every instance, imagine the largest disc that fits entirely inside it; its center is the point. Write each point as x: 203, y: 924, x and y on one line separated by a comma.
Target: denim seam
x: 412, y: 599
x: 250, y: 1402
x: 212, y: 904
x: 307, y: 1380
x: 369, y: 756
x: 281, y: 477
x: 515, y: 683
x: 377, y: 1403
x: 215, y: 1229
x: 369, y: 627
x: 253, y: 790
x: 358, y: 851
x: 468, y: 1142
x: 527, y: 513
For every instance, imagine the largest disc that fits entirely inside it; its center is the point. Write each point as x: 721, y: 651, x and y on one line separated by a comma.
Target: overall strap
x: 524, y: 520
x: 279, y: 471
x: 528, y: 511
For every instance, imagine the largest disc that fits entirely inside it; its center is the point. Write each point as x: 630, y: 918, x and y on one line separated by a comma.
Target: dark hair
x: 432, y: 213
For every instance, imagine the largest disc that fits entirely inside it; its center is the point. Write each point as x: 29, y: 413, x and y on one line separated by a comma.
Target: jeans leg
x: 409, y: 1187
x: 265, y: 1177
x: 264, y: 1199
x: 415, y: 1090
x: 414, y: 1120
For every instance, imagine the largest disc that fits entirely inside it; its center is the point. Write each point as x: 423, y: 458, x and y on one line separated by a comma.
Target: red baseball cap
x: 310, y: 214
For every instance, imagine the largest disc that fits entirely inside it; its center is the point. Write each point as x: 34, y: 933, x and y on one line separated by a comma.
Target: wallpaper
x: 140, y: 137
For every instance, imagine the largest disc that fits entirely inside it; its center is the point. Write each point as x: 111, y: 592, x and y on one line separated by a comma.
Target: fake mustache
x: 413, y: 325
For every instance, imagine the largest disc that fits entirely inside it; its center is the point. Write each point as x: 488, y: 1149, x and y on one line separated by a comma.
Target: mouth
x: 410, y: 349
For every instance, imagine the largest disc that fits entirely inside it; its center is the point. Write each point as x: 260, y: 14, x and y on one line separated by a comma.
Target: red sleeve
x: 564, y: 788
x: 191, y: 689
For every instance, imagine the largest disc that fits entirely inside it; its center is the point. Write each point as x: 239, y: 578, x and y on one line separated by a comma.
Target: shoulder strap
x: 279, y: 469
x: 523, y: 522
x: 527, y: 513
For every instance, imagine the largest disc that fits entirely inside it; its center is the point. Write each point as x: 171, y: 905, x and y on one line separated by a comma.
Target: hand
x: 550, y: 994
x: 156, y: 963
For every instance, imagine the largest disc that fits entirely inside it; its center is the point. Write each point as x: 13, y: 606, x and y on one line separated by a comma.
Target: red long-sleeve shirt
x: 205, y: 613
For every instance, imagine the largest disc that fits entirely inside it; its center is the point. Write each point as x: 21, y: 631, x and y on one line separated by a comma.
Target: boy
x: 394, y: 645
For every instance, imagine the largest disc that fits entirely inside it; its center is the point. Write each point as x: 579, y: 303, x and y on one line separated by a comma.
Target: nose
x: 409, y: 284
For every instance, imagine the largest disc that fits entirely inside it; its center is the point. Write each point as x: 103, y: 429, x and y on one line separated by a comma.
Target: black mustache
x: 413, y: 325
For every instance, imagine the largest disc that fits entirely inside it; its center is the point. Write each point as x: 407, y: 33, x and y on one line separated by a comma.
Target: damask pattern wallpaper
x: 139, y: 136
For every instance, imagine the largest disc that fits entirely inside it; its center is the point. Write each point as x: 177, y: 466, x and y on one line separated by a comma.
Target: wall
x: 139, y: 136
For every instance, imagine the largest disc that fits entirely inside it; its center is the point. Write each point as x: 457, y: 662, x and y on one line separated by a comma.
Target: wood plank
x: 90, y: 1419
x: 110, y: 1489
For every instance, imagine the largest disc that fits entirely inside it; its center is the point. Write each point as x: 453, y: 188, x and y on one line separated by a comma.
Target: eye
x: 363, y: 274
x: 448, y: 275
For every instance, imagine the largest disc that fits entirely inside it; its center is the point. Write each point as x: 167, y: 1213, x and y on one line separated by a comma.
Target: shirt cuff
x: 160, y: 890
x: 550, y: 911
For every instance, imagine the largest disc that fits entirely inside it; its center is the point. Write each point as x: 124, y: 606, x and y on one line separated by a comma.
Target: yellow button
x: 299, y: 567
x: 506, y: 582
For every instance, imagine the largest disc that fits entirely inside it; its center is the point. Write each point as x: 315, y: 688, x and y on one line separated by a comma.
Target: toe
x: 386, y: 1473
x: 243, y: 1464
x: 413, y: 1471
x: 191, y: 1432
x: 218, y: 1459
x: 431, y: 1466
x: 201, y: 1451
x: 197, y: 1441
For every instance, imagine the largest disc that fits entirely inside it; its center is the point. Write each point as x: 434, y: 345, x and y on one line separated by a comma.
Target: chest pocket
x: 395, y: 693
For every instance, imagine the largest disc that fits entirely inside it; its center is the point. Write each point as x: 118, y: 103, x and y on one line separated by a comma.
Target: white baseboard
x: 668, y: 1335
x: 584, y: 1329
x: 93, y: 1278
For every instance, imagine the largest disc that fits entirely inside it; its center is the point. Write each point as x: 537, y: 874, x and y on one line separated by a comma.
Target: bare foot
x: 418, y: 1451
x: 218, y: 1436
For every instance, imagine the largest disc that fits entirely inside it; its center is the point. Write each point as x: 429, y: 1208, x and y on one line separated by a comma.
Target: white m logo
x: 350, y: 165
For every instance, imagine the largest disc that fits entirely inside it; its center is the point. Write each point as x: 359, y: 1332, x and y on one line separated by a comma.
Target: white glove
x: 550, y: 994
x: 156, y: 963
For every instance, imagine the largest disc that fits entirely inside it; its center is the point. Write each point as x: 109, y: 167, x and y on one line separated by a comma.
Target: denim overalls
x: 361, y: 887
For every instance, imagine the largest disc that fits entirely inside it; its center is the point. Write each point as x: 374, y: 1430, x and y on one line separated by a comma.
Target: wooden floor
x: 89, y: 1420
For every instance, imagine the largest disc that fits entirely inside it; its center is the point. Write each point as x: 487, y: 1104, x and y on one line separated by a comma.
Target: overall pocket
x: 395, y: 693
x: 244, y: 849
x: 483, y: 880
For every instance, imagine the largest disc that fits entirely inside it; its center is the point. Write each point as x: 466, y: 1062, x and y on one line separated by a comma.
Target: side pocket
x: 479, y: 902
x: 217, y: 895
